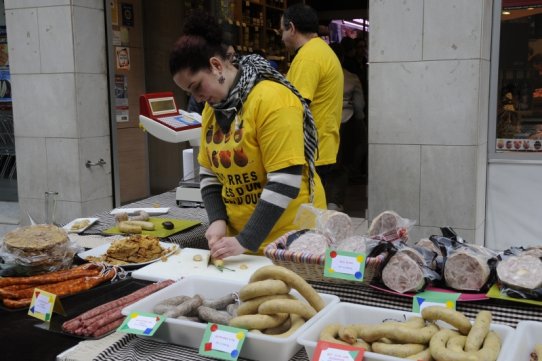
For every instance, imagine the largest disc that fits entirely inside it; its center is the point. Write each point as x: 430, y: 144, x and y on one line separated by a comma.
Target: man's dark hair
x: 303, y: 17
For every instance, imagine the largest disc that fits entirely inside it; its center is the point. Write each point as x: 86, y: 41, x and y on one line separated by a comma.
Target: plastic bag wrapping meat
x: 519, y: 272
x: 334, y: 225
x: 310, y: 242
x: 389, y: 226
x: 36, y: 249
x: 463, y: 266
x: 409, y: 268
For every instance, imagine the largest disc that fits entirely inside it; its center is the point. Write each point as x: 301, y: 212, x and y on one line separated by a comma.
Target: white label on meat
x: 345, y: 264
x: 224, y: 341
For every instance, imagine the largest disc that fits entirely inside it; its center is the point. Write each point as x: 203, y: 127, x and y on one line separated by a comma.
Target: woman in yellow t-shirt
x: 258, y: 141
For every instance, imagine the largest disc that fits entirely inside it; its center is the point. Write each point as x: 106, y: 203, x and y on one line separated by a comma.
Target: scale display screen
x: 162, y: 106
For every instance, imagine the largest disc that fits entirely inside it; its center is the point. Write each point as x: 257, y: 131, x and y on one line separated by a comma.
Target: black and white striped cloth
x: 508, y: 313
x: 254, y: 68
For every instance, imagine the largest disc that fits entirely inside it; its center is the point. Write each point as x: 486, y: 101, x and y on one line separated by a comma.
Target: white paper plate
x: 102, y: 250
x: 150, y: 211
x: 68, y: 227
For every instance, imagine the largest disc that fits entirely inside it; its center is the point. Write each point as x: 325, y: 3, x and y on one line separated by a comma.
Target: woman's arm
x: 282, y: 187
x: 211, y: 194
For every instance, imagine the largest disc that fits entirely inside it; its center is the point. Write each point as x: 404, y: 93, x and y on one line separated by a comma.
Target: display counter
x: 21, y: 340
x: 140, y: 348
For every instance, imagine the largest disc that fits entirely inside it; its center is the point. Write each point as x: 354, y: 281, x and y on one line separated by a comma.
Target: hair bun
x: 202, y: 24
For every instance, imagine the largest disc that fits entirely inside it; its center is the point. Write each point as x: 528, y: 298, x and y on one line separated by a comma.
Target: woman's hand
x: 226, y: 247
x: 216, y: 231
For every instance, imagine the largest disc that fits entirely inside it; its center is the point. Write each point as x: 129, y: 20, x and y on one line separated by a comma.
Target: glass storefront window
x: 518, y: 116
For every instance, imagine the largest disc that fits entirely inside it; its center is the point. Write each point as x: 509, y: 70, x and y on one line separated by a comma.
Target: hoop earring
x: 221, y: 79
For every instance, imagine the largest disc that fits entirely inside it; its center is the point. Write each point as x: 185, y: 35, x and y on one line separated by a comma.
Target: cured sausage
x: 89, y: 316
x: 142, y: 292
x: 109, y: 327
x: 65, y: 288
x: 102, y: 320
x: 25, y: 302
x: 51, y: 277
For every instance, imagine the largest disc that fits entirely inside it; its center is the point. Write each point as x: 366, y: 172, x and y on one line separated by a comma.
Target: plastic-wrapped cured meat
x: 336, y: 225
x: 403, y: 274
x: 389, y: 226
x: 357, y: 244
x: 522, y: 272
x: 466, y: 271
x: 428, y: 244
x: 310, y: 242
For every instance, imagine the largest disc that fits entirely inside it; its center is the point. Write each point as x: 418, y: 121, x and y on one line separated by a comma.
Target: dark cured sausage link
x: 25, y: 302
x: 52, y: 287
x: 109, y: 327
x: 101, y: 320
x: 145, y: 291
x: 51, y: 277
x: 87, y: 317
x: 71, y: 325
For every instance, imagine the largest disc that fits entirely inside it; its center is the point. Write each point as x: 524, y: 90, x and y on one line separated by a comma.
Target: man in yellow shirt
x: 316, y: 72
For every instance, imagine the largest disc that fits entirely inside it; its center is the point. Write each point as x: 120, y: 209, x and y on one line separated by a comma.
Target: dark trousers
x: 351, y: 161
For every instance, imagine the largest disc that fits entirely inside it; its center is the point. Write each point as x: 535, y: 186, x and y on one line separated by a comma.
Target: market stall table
x: 140, y: 348
x: 21, y: 340
x: 194, y: 237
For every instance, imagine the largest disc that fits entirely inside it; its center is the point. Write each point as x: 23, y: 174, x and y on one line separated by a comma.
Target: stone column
x: 428, y: 112
x: 58, y: 69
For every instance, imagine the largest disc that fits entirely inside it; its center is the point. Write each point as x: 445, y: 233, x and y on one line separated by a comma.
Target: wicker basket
x: 310, y: 266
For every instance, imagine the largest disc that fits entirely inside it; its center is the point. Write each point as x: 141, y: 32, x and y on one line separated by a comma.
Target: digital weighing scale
x: 159, y: 115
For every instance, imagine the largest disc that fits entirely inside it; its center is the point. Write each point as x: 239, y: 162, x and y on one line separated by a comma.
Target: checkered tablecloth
x: 135, y: 348
x: 193, y: 238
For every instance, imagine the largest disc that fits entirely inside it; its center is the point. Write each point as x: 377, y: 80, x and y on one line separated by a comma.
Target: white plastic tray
x: 131, y: 211
x: 68, y: 227
x: 527, y: 335
x: 187, y: 333
x: 348, y: 313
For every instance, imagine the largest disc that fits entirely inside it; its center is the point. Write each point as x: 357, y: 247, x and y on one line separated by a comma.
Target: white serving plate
x: 68, y: 226
x: 348, y: 313
x: 188, y: 333
x: 182, y: 264
x: 527, y: 335
x: 102, y: 250
x: 131, y: 211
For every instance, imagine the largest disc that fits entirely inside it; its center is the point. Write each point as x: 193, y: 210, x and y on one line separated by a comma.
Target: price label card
x: 327, y: 351
x: 344, y: 265
x: 43, y: 304
x: 141, y: 323
x: 222, y: 342
x: 431, y: 298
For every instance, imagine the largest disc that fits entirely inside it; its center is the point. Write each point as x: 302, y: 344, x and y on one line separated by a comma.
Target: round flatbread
x: 37, y: 237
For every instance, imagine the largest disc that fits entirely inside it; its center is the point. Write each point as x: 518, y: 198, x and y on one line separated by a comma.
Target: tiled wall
x: 428, y: 112
x: 60, y: 106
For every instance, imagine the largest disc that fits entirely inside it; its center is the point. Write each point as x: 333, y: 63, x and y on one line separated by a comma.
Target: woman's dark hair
x: 200, y: 41
x: 303, y: 17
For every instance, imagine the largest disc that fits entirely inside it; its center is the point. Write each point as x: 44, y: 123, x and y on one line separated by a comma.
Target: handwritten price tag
x: 222, y: 342
x: 327, y: 351
x: 431, y: 298
x: 344, y: 265
x: 141, y: 323
x: 43, y: 305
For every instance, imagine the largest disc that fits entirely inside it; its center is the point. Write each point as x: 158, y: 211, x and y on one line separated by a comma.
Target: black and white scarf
x: 252, y: 69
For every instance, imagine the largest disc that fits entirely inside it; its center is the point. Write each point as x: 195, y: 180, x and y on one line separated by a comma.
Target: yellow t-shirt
x: 316, y: 72
x: 266, y: 136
